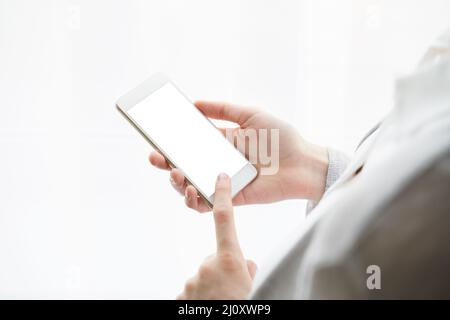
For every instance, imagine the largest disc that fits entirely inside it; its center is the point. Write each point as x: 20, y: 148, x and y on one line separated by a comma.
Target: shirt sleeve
x: 406, y: 241
x: 337, y: 162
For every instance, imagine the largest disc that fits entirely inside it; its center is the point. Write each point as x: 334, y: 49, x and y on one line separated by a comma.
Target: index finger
x: 223, y: 216
x: 158, y: 160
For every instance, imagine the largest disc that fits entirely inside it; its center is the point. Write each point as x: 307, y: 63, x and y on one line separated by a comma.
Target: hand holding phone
x: 185, y: 137
x: 302, y: 165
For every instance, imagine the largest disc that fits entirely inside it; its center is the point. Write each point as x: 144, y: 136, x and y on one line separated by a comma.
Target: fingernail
x: 222, y: 176
x: 172, y: 181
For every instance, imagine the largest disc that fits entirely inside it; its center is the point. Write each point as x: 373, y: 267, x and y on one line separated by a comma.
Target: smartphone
x: 184, y: 136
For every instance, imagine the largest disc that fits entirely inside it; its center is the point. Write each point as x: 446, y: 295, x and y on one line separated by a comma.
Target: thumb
x: 252, y: 268
x: 225, y: 111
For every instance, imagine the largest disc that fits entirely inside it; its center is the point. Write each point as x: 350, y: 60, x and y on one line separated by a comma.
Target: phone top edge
x: 142, y: 91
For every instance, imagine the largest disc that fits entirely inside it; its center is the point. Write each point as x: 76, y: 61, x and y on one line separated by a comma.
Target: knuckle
x: 189, y: 286
x: 191, y: 205
x: 223, y: 185
x: 228, y: 261
x: 222, y: 213
x: 204, y: 271
x: 221, y: 189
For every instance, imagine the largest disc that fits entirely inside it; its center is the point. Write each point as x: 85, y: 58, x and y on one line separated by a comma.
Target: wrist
x: 310, y: 173
x: 318, y: 170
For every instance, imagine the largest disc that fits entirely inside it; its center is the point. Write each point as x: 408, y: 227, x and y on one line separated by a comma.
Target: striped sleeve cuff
x: 337, y: 162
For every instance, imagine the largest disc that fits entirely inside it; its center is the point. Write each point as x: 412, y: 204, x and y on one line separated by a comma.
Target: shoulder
x: 409, y: 238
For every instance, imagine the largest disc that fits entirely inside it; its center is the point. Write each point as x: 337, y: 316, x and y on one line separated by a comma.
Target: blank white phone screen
x: 187, y: 137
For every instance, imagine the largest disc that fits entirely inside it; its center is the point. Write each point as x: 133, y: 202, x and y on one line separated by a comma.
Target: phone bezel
x: 238, y: 181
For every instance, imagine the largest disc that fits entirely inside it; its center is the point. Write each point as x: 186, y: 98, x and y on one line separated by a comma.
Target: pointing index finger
x: 223, y: 216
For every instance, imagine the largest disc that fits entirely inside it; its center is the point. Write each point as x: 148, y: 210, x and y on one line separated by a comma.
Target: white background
x: 82, y: 213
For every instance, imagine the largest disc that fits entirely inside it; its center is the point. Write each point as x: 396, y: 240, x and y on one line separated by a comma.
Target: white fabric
x: 320, y: 260
x: 337, y: 162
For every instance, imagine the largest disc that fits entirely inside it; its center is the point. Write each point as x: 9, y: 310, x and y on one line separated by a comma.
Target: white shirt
x: 392, y: 215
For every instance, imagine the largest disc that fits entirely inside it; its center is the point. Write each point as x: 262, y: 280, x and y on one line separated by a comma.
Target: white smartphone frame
x: 238, y: 181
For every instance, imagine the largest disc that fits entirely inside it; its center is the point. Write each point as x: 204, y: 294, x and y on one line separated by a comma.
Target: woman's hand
x: 226, y: 274
x: 302, y: 165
